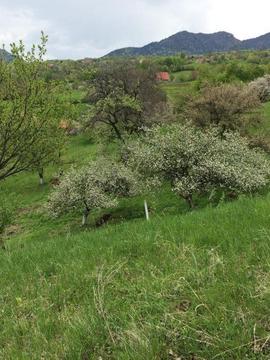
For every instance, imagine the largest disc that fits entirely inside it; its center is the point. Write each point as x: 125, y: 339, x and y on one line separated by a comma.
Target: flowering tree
x: 196, y: 161
x: 97, y: 185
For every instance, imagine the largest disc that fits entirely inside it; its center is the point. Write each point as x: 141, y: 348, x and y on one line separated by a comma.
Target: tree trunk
x: 117, y: 132
x: 41, y: 177
x: 85, y: 217
x: 190, y: 202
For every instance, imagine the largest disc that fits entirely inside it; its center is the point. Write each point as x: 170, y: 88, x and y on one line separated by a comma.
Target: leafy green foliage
x: 172, y: 63
x: 29, y: 113
x: 243, y: 72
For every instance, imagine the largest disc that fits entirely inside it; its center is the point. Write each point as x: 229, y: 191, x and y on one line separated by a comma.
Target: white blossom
x: 97, y: 185
x: 196, y: 161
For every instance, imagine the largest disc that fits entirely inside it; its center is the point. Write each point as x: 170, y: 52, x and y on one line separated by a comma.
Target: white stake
x: 146, y: 210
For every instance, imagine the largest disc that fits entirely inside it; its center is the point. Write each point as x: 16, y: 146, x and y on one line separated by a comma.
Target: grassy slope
x: 194, y: 285
x: 183, y: 284
x: 177, y: 90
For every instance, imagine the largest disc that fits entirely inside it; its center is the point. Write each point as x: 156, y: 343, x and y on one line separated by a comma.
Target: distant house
x: 163, y: 76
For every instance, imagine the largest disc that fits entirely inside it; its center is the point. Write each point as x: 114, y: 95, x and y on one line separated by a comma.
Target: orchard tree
x: 95, y: 186
x: 123, y: 97
x: 198, y: 162
x: 228, y: 107
x: 29, y: 112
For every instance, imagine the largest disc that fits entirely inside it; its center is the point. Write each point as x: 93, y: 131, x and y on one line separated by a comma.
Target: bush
x: 94, y: 186
x: 198, y: 162
x: 227, y: 107
x: 261, y: 86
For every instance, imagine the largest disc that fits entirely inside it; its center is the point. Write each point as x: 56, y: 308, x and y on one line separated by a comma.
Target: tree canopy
x: 29, y: 112
x: 124, y: 97
x: 197, y: 162
x: 226, y: 106
x: 97, y: 185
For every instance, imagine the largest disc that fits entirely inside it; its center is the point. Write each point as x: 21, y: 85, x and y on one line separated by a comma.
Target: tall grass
x: 194, y: 286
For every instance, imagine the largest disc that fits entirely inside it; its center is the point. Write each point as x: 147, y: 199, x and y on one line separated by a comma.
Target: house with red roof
x: 163, y: 76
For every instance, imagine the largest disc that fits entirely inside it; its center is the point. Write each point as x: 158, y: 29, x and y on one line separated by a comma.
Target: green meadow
x: 189, y: 285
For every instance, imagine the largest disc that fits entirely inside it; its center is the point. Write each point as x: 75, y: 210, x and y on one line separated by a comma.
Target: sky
x: 92, y: 28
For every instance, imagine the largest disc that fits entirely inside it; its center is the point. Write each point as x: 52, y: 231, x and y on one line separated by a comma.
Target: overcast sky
x: 92, y: 28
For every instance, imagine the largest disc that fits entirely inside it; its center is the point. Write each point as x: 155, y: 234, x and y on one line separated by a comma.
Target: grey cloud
x: 84, y: 28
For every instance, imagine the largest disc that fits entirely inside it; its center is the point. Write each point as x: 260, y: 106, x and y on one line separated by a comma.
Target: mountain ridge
x: 195, y: 44
x: 6, y: 56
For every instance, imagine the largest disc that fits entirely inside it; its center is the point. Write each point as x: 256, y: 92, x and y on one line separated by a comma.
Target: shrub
x: 197, y: 162
x: 94, y: 186
x: 261, y: 86
x: 227, y: 107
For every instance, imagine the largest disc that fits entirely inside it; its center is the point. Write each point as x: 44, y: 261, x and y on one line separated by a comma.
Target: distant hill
x: 4, y: 55
x: 192, y: 43
x: 258, y: 43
